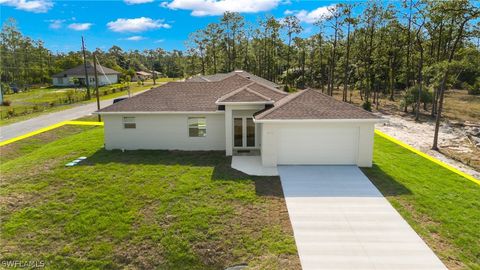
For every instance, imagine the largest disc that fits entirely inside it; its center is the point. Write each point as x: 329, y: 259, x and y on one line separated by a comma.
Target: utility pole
x: 85, y: 67
x: 96, y: 84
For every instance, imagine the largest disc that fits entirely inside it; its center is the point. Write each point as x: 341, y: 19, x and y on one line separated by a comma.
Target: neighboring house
x: 221, y: 76
x: 238, y: 114
x: 105, y: 76
x: 142, y: 76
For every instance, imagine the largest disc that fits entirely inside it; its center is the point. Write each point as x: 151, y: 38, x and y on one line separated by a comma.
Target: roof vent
x: 238, y: 71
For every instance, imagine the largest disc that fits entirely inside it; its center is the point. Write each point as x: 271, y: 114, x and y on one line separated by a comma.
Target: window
x: 197, y: 127
x: 129, y: 122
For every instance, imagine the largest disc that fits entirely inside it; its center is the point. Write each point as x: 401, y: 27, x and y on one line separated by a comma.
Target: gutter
x: 159, y: 112
x: 371, y: 120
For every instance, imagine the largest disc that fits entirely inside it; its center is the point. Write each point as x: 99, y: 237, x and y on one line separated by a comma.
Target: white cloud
x: 311, y: 16
x: 56, y: 24
x: 218, y: 7
x: 35, y: 6
x: 80, y: 26
x: 159, y: 40
x: 136, y: 25
x: 134, y: 2
x: 135, y: 38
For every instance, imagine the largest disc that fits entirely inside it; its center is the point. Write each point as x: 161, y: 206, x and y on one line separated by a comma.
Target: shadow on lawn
x: 387, y: 185
x: 264, y: 186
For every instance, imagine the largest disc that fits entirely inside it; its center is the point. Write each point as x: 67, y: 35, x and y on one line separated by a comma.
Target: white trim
x: 244, y: 102
x: 164, y: 112
x: 382, y: 120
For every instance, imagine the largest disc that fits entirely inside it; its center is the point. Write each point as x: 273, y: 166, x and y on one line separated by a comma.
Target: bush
x: 411, y: 96
x: 11, y: 112
x: 70, y: 96
x: 475, y: 88
x: 367, y: 105
x: 6, y: 103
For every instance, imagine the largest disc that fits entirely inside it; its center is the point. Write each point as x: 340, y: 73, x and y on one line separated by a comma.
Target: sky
x: 142, y: 24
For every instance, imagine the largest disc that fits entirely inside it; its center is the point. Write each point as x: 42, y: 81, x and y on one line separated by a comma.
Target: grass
x: 138, y: 209
x: 40, y: 98
x: 442, y: 207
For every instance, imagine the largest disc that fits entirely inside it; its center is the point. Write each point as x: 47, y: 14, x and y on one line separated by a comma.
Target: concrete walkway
x: 32, y: 124
x: 341, y: 221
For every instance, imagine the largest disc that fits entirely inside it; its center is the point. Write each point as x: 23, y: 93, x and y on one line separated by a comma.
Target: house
x: 221, y: 76
x: 237, y: 115
x: 67, y: 77
x: 142, y: 76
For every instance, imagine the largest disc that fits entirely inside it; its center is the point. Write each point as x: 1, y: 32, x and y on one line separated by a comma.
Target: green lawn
x: 40, y: 101
x: 190, y: 210
x: 137, y: 209
x: 442, y: 207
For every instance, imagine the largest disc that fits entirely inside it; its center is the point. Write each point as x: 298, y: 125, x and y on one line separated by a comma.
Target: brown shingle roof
x: 221, y: 76
x: 80, y: 71
x: 180, y: 96
x: 244, y: 94
x: 312, y: 104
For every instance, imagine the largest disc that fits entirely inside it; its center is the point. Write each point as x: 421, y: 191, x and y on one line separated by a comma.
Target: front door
x: 243, y: 132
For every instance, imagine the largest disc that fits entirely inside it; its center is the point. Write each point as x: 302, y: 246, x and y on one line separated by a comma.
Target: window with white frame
x: 197, y: 127
x: 129, y: 122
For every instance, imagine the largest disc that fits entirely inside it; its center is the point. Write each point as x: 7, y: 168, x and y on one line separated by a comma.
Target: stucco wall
x: 102, y: 80
x: 338, y: 148
x: 163, y: 131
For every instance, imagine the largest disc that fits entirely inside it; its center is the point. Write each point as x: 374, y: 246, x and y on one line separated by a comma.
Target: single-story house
x: 67, y: 77
x: 141, y: 75
x: 238, y: 115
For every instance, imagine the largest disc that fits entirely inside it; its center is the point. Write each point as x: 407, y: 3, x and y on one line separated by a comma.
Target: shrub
x: 6, y: 103
x: 285, y: 88
x: 70, y: 95
x: 105, y: 92
x: 11, y: 112
x: 411, y: 96
x: 367, y: 105
x: 51, y: 104
x: 475, y: 88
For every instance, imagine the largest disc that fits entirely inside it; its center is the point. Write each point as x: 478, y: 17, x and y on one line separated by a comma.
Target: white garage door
x: 317, y: 145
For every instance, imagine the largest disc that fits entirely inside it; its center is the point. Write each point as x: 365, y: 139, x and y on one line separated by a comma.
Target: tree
x: 292, y: 26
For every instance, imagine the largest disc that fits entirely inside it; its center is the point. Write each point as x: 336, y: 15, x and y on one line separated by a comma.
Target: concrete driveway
x: 341, y: 221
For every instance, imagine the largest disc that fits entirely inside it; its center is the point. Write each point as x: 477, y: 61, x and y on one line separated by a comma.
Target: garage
x: 317, y: 144
x: 310, y: 128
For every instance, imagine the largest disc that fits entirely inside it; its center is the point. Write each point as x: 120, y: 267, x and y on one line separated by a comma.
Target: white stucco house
x: 238, y: 114
x: 105, y: 76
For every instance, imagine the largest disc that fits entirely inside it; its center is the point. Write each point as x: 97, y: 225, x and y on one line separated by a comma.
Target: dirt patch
x: 454, y: 141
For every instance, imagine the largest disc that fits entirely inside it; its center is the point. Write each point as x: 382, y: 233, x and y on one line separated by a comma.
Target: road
x: 27, y: 126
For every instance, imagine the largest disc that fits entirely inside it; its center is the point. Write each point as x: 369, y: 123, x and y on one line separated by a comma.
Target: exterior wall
x: 102, y: 80
x: 163, y: 132
x: 230, y: 112
x: 362, y: 147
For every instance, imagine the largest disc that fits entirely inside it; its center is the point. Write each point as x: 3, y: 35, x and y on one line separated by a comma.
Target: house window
x: 129, y: 122
x: 197, y: 127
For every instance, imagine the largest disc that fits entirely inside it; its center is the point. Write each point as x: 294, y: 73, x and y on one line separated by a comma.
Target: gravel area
x: 420, y: 136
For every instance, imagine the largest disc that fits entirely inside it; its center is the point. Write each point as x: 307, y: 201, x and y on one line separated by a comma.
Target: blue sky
x: 140, y: 24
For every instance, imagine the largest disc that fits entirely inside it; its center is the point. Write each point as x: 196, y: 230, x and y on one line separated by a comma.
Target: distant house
x: 141, y: 76
x: 69, y: 76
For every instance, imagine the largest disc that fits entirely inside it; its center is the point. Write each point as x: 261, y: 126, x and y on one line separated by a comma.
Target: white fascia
x: 382, y: 120
x: 164, y: 112
x: 244, y: 102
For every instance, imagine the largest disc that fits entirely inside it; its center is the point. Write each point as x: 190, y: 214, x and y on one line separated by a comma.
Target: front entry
x: 243, y: 132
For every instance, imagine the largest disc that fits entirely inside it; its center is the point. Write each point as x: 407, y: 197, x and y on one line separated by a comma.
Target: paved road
x: 341, y: 221
x: 23, y: 127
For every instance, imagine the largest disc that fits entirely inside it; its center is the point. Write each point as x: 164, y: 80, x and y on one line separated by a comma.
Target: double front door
x: 243, y: 132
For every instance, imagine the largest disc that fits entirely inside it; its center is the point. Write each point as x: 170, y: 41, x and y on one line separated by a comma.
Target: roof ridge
x: 293, y: 97
x: 234, y: 92
x: 256, y: 93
